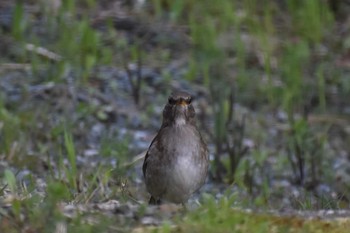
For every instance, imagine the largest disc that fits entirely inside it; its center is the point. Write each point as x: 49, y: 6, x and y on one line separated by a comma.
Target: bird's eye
x: 171, y: 101
x: 188, y: 100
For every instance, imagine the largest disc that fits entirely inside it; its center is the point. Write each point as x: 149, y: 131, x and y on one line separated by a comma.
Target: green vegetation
x: 80, y: 83
x: 221, y: 217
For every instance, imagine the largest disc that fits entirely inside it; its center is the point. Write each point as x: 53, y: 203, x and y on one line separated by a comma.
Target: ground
x: 83, y: 85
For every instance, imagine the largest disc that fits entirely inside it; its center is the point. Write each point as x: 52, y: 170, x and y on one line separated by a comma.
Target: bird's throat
x: 180, y: 121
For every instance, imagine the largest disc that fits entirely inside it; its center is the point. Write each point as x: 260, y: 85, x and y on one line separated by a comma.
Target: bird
x: 177, y: 160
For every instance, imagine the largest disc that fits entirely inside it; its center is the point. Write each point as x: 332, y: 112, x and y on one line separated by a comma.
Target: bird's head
x: 179, y: 110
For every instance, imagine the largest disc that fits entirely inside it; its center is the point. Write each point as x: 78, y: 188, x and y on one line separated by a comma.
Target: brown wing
x: 144, y: 167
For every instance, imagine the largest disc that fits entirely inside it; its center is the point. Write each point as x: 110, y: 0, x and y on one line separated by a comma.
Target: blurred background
x: 83, y: 84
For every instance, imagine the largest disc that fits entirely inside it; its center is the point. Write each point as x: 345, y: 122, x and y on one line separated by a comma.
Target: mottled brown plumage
x: 176, y: 162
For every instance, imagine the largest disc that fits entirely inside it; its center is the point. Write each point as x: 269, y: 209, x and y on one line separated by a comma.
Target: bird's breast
x: 183, y: 142
x: 186, y: 170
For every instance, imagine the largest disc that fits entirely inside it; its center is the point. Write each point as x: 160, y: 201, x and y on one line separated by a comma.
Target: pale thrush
x: 176, y: 162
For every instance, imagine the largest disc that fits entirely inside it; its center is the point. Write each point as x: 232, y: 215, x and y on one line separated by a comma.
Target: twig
x: 127, y: 193
x: 135, y: 85
x: 15, y: 66
x: 136, y: 159
x: 43, y: 52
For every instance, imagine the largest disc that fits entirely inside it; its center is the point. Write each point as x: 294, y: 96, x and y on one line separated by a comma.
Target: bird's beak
x: 181, y: 103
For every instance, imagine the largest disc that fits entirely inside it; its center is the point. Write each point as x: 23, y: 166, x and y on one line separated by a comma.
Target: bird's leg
x: 153, y: 201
